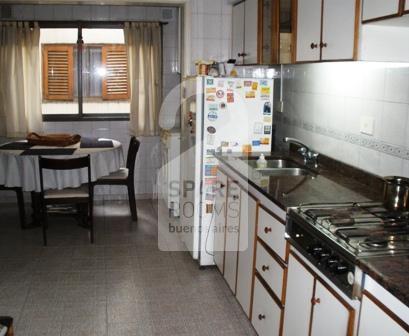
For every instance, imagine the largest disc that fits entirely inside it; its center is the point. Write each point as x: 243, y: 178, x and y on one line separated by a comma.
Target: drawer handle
x: 315, y: 301
x: 261, y: 317
x: 323, y: 45
x: 235, y: 197
x: 313, y: 45
x: 267, y: 229
x: 265, y: 268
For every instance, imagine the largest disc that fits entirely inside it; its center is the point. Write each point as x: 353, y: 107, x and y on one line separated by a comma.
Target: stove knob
x: 341, y: 268
x: 315, y: 250
x: 325, y: 254
x: 332, y: 263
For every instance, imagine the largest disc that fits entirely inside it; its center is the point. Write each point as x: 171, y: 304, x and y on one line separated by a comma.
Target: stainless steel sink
x: 274, y: 163
x: 283, y: 171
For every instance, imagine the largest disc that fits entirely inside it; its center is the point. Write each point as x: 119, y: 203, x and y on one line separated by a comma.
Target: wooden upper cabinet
x: 308, y: 30
x: 58, y: 72
x: 115, y: 85
x: 238, y: 32
x: 374, y: 10
x: 326, y: 30
x: 406, y: 7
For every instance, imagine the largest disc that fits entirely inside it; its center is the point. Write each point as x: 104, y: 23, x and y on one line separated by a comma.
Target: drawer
x: 266, y: 314
x: 270, y: 270
x: 271, y: 231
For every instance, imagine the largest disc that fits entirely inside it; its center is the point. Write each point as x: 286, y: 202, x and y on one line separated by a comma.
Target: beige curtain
x: 20, y: 85
x: 144, y: 45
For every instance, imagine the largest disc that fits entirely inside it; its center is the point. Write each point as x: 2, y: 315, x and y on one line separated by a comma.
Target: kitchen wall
x: 328, y: 105
x: 149, y: 155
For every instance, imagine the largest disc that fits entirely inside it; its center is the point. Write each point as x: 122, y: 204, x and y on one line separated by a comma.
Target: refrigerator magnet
x: 265, y: 91
x: 258, y: 127
x: 210, y: 81
x: 230, y: 85
x: 247, y: 83
x: 212, y: 116
x: 239, y: 85
x: 268, y: 120
x: 267, y: 108
x: 224, y: 144
x: 256, y: 143
x: 230, y: 97
x: 211, y: 98
x: 211, y: 130
x: 220, y: 94
x: 222, y: 105
x: 265, y: 141
x: 254, y: 86
x: 213, y: 107
x: 264, y: 97
x: 250, y: 94
x: 210, y: 90
x: 267, y: 129
x: 263, y: 82
x: 209, y: 208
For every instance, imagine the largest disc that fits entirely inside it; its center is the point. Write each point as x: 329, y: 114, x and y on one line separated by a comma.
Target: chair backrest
x: 64, y: 164
x: 132, y: 153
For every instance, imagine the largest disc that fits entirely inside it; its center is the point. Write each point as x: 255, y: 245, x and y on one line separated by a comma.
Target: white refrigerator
x: 218, y: 115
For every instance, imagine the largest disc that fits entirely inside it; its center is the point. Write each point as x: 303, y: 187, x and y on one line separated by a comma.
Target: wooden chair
x: 125, y: 176
x: 82, y: 195
x: 20, y: 202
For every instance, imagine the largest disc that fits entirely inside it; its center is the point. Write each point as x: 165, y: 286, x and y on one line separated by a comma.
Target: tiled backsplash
x: 325, y: 105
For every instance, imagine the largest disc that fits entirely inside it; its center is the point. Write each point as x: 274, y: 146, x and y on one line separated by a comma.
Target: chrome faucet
x: 310, y: 157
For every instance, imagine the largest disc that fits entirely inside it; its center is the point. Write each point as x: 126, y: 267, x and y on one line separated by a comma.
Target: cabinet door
x: 251, y: 31
x: 238, y: 32
x: 266, y: 314
x: 375, y: 321
x: 308, y: 30
x: 377, y: 9
x: 300, y: 287
x: 338, y: 29
x: 248, y: 211
x: 330, y: 315
x: 220, y: 220
x: 232, y: 234
x: 406, y: 7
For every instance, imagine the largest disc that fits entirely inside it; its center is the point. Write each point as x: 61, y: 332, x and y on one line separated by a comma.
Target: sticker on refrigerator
x: 230, y: 85
x: 213, y: 107
x: 210, y: 81
x: 267, y: 129
x: 268, y: 120
x: 250, y: 94
x: 230, y: 97
x: 212, y: 116
x: 255, y: 143
x: 220, y: 94
x: 211, y: 130
x: 209, y: 208
x: 210, y: 151
x: 267, y: 108
x: 210, y: 139
x: 264, y: 97
x: 210, y: 90
x: 234, y: 144
x: 224, y: 144
x: 222, y: 105
x: 265, y: 141
x: 210, y: 170
x: 211, y: 98
x: 247, y: 83
x: 258, y: 128
x: 263, y: 82
x: 265, y: 91
x: 239, y: 85
x: 254, y: 86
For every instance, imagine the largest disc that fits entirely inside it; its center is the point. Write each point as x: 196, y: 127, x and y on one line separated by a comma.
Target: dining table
x: 19, y: 165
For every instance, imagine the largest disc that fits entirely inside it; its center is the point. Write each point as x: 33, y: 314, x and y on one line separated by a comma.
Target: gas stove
x: 335, y: 236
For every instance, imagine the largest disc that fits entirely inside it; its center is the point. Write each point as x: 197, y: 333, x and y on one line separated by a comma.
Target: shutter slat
x: 116, y: 82
x: 58, y: 72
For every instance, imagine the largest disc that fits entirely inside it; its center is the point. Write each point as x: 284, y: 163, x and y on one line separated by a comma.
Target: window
x: 92, y: 83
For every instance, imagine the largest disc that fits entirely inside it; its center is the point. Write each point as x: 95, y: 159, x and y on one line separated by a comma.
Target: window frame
x: 80, y: 116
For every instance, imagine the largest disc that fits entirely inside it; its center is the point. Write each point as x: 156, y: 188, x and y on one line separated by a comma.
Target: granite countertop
x: 328, y: 183
x: 391, y: 272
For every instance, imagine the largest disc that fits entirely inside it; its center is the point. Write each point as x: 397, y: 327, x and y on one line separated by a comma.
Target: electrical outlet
x: 367, y: 125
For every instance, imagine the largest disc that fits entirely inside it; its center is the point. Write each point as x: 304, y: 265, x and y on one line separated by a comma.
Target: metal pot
x: 396, y: 193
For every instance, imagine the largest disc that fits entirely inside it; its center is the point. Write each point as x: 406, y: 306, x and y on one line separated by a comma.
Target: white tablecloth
x: 22, y: 170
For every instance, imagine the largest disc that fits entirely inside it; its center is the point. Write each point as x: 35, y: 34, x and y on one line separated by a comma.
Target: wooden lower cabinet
x: 248, y: 213
x: 376, y: 319
x: 232, y: 234
x: 219, y: 212
x: 267, y: 314
x: 312, y: 307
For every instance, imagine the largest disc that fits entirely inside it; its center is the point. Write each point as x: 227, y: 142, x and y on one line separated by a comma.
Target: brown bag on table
x: 57, y: 140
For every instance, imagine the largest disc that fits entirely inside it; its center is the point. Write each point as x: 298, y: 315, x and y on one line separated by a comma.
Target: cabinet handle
x: 267, y: 229
x: 313, y: 45
x: 242, y: 54
x: 323, y: 45
x: 222, y: 185
x: 265, y: 268
x: 315, y: 301
x: 261, y: 316
x: 235, y: 197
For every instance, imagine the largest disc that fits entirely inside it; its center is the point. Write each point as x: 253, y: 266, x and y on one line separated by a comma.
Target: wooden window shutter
x: 58, y: 72
x: 115, y: 85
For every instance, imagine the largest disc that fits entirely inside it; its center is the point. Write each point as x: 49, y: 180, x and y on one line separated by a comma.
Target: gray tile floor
x: 122, y: 285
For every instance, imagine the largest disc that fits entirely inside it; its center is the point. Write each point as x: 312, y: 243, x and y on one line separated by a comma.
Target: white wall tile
x: 393, y: 123
x: 397, y: 85
x: 369, y: 160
